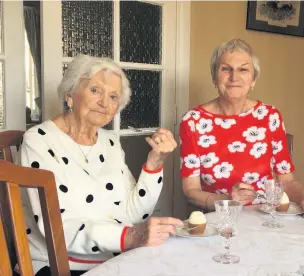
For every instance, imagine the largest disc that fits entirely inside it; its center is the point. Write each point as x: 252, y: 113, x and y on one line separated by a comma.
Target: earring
x: 70, y: 109
x: 252, y: 88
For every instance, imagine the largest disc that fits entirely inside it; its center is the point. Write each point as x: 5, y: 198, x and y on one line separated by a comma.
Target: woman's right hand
x: 151, y: 233
x: 243, y: 192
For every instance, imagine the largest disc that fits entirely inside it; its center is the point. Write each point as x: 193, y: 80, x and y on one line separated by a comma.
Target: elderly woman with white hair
x: 104, y: 211
x: 233, y: 144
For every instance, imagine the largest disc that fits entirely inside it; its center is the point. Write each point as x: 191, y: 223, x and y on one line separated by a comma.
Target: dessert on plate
x: 197, y: 223
x: 284, y: 204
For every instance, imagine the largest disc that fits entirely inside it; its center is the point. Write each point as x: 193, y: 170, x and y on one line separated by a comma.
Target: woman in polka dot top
x: 104, y: 211
x: 231, y: 145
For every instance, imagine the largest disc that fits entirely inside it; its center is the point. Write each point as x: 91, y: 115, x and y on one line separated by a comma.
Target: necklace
x: 84, y: 155
x: 221, y: 110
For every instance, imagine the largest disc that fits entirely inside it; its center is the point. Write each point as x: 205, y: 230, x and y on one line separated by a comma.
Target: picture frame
x: 280, y: 17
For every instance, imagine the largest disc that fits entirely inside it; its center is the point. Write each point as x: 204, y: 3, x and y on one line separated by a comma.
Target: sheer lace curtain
x: 32, y: 27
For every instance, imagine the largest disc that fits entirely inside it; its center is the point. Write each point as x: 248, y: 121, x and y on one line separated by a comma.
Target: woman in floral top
x: 231, y: 145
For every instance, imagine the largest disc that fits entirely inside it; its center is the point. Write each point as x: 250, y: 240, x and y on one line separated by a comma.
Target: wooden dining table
x: 262, y: 252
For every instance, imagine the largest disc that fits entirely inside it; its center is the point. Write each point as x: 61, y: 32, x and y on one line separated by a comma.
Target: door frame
x: 180, y: 205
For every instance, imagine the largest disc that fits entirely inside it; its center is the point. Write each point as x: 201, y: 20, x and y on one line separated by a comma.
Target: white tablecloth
x: 263, y: 252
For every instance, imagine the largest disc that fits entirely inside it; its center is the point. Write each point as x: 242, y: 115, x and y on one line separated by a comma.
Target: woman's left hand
x: 162, y: 143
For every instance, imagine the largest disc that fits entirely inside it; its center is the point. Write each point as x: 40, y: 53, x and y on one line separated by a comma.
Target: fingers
x: 168, y: 221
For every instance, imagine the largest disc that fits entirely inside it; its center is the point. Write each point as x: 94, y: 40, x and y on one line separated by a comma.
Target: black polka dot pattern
x: 95, y: 249
x: 36, y: 218
x: 109, y: 186
x: 122, y: 172
x: 35, y: 164
x: 111, y: 142
x: 63, y: 188
x: 81, y: 227
x: 115, y: 254
x: 101, y: 158
x: 62, y: 210
x: 65, y: 160
x: 145, y: 216
x: 86, y: 172
x: 41, y: 132
x: 89, y: 198
x: 160, y: 179
x: 28, y: 231
x: 117, y: 221
x: 51, y: 152
x: 117, y: 202
x: 142, y: 192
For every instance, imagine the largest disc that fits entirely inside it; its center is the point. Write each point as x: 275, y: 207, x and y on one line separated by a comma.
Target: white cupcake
x: 197, y: 220
x: 284, y: 203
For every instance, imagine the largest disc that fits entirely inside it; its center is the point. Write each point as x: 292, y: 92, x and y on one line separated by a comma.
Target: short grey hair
x: 84, y: 66
x: 232, y: 46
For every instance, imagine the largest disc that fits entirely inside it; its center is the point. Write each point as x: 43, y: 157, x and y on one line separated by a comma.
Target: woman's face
x: 96, y: 100
x: 235, y: 75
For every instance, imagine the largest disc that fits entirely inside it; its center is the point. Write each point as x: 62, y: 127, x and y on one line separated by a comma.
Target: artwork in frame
x: 282, y: 17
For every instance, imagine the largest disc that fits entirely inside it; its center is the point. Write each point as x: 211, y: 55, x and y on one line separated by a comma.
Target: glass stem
x: 227, y: 244
x: 273, y: 215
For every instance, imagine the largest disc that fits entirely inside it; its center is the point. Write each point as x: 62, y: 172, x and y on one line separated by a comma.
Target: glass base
x: 226, y: 259
x: 271, y: 224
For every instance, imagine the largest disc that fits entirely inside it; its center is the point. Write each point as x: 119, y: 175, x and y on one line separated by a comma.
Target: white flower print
x: 250, y: 177
x: 195, y: 173
x: 260, y: 112
x: 254, y: 134
x: 261, y: 197
x: 276, y: 146
x: 224, y: 123
x: 192, y: 161
x: 222, y: 170
x: 262, y: 182
x: 204, y: 125
x: 205, y: 141
x: 283, y: 167
x: 208, y: 160
x: 208, y: 179
x: 258, y: 149
x: 221, y: 191
x: 274, y: 121
x: 192, y: 125
x: 237, y: 146
x: 194, y: 114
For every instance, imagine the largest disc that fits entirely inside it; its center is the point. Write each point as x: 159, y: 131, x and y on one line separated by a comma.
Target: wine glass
x: 228, y: 213
x: 274, y: 192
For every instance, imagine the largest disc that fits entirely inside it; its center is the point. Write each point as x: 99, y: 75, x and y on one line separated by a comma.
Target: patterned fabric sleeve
x: 189, y: 154
x: 143, y: 195
x: 281, y: 160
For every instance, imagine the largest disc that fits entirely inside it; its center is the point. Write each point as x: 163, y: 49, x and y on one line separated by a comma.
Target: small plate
x: 209, y: 231
x: 294, y: 209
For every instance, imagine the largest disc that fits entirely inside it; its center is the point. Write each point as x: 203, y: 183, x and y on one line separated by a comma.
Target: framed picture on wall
x: 282, y: 17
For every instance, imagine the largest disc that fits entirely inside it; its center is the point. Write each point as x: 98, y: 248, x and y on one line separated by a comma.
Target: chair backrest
x: 12, y: 177
x: 290, y: 143
x: 8, y: 140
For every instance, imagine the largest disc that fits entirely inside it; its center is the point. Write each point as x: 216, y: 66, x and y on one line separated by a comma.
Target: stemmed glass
x: 274, y: 192
x: 228, y: 213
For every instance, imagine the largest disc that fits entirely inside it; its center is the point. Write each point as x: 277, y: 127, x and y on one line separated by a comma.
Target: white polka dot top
x: 98, y: 197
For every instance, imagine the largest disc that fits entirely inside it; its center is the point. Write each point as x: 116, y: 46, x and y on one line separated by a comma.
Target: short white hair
x: 232, y: 46
x: 84, y: 66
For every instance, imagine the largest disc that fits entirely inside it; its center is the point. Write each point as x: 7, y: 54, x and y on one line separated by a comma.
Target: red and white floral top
x: 225, y: 150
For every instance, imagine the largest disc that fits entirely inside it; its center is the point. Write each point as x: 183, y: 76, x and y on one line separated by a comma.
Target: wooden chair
x: 8, y: 139
x: 11, y: 178
x: 290, y: 143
